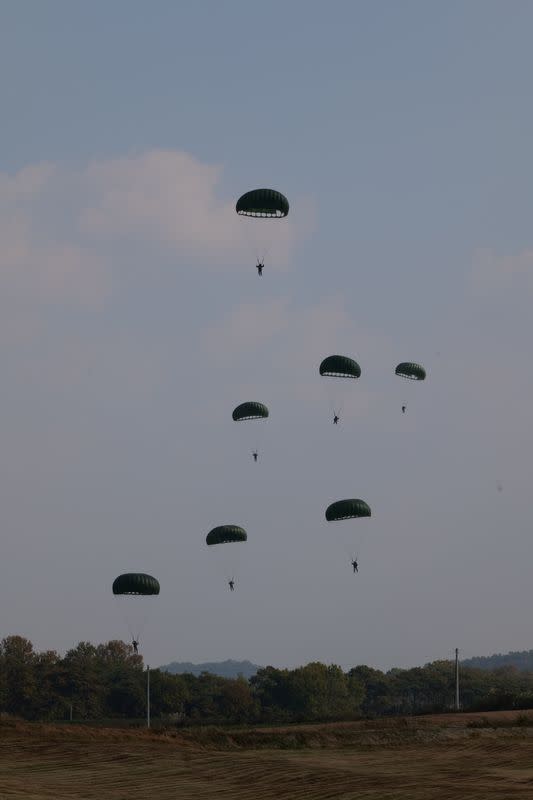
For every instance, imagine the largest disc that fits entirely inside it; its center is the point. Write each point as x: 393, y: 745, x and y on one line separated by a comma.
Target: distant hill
x: 225, y: 669
x: 522, y: 660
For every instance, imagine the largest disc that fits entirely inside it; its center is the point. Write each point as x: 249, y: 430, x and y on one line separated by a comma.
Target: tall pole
x: 457, y: 704
x: 147, y: 696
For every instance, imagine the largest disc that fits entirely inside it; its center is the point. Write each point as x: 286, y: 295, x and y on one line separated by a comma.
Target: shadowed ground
x: 426, y: 758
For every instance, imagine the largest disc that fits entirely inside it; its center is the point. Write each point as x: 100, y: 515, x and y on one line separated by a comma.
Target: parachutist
x: 231, y: 585
x: 403, y: 409
x: 355, y: 565
x: 255, y: 455
x: 335, y: 419
x: 135, y: 645
x: 260, y: 266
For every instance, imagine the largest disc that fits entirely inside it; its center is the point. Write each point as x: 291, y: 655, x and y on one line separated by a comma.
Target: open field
x: 394, y: 759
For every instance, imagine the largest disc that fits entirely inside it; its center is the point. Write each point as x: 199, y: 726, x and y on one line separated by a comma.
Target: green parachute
x: 224, y: 534
x: 253, y: 434
x: 260, y: 205
x: 347, y: 509
x: 339, y: 390
x: 129, y: 590
x: 351, y: 538
x: 226, y: 559
x: 263, y: 203
x: 411, y: 371
x: 340, y: 367
x: 251, y: 410
x: 136, y: 583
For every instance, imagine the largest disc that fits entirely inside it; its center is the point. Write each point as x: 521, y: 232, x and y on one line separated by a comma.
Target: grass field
x: 459, y: 757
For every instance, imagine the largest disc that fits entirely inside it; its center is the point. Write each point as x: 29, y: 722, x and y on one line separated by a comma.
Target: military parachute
x: 351, y: 538
x: 135, y: 583
x: 266, y: 203
x: 131, y: 591
x: 347, y: 509
x: 227, y: 558
x: 251, y: 412
x: 412, y: 372
x: 226, y: 534
x: 248, y: 411
x: 338, y: 370
x: 262, y: 205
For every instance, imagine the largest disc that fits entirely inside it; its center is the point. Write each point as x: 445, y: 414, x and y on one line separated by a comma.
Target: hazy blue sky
x: 132, y: 322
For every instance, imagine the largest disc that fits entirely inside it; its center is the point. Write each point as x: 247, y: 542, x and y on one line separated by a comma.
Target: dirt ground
x: 427, y: 758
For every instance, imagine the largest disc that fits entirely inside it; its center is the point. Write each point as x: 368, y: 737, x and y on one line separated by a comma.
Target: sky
x: 132, y: 322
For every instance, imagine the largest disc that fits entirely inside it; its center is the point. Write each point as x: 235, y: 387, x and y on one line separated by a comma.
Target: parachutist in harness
x: 355, y: 565
x: 335, y: 419
x: 231, y: 584
x: 135, y: 645
x: 255, y: 455
x: 403, y: 409
x: 260, y: 267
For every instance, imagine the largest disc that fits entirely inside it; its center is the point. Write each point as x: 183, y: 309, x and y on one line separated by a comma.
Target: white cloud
x: 169, y: 197
x: 63, y: 229
x: 43, y: 262
x: 166, y: 196
x: 26, y: 183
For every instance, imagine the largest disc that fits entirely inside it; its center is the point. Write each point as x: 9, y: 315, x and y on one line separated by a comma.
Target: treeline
x: 521, y: 659
x: 109, y: 681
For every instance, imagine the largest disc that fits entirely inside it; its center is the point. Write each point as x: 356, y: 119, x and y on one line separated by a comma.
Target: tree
x: 17, y: 661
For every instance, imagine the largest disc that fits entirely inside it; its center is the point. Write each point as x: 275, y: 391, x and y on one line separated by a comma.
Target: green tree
x: 83, y: 681
x: 50, y: 702
x: 169, y: 694
x: 17, y: 662
x: 235, y: 700
x: 378, y: 697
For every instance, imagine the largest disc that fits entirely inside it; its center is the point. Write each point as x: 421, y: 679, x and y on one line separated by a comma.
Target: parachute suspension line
x: 262, y: 254
x: 125, y: 618
x: 261, y: 251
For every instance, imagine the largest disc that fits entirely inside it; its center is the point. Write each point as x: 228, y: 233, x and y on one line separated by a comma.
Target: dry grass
x: 430, y: 758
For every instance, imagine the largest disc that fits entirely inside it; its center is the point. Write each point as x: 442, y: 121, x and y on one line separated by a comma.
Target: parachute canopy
x: 347, y: 509
x: 250, y: 410
x: 414, y: 372
x: 226, y: 533
x: 262, y: 203
x: 135, y: 583
x: 340, y: 367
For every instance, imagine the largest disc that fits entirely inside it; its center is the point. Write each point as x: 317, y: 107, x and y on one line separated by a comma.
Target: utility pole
x: 147, y: 696
x: 457, y: 703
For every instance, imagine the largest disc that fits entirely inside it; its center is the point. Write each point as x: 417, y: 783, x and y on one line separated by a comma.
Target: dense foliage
x: 521, y: 659
x: 109, y: 681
